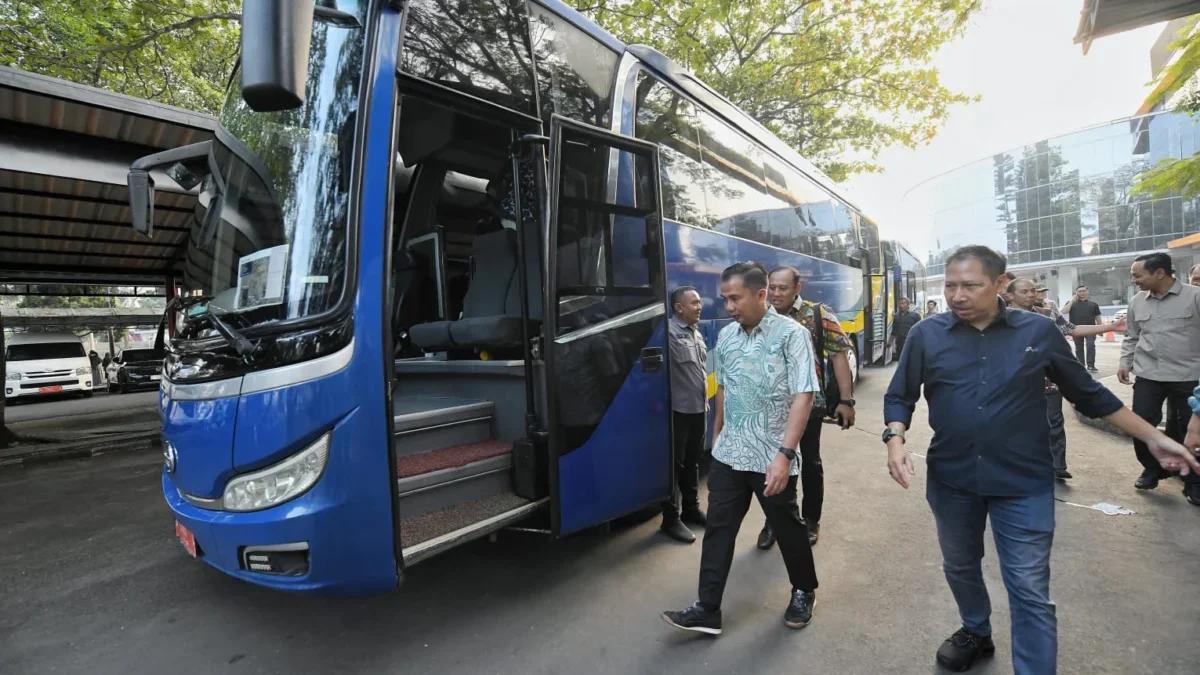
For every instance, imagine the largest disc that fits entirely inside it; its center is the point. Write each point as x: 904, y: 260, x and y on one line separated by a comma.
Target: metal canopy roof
x: 1108, y: 17
x: 65, y: 149
x: 94, y: 318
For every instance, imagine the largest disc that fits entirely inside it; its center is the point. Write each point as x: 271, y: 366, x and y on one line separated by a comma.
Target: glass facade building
x: 1066, y: 202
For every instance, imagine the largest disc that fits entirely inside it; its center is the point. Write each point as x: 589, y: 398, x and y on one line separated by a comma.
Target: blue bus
x: 424, y: 293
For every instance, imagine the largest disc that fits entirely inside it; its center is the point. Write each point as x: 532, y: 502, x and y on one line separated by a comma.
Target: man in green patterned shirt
x: 765, y: 384
x: 783, y: 290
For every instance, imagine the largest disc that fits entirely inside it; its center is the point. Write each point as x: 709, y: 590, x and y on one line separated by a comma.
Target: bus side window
x: 575, y: 71
x: 735, y: 185
x: 665, y: 118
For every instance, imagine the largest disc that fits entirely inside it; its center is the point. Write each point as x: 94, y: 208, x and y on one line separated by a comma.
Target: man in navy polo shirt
x: 983, y: 368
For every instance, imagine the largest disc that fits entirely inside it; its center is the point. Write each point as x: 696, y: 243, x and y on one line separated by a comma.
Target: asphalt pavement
x: 93, y: 581
x: 19, y: 410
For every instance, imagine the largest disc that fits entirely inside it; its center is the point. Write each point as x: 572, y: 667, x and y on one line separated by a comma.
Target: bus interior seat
x: 491, y: 309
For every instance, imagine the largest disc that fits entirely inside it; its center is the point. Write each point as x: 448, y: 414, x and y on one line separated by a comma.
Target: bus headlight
x: 277, y: 484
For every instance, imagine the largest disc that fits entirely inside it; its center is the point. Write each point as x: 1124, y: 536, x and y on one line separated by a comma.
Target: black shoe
x: 766, y: 538
x: 695, y: 516
x: 800, y: 609
x: 960, y: 651
x: 1093, y: 369
x: 814, y: 533
x: 696, y: 619
x: 1148, y: 480
x: 1063, y: 475
x: 676, y: 530
x: 1192, y: 492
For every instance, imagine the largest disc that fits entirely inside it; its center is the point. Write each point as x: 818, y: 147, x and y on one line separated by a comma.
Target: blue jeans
x: 1023, y: 529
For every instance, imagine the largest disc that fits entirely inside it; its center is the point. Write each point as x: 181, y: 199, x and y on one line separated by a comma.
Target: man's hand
x: 847, y: 414
x: 1119, y: 325
x: 1171, y: 455
x: 778, y: 472
x: 900, y: 464
x: 1192, y: 440
x: 1123, y: 376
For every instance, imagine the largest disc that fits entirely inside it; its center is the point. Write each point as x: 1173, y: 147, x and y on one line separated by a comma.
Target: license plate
x: 155, y: 378
x: 49, y: 390
x: 186, y: 538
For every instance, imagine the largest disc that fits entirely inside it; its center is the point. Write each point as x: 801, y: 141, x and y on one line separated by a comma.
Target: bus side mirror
x: 141, y: 201
x: 276, y: 36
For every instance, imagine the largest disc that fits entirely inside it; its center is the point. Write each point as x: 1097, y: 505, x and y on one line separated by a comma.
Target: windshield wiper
x: 245, y: 348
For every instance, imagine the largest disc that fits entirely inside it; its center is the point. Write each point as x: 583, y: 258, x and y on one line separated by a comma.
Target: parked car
x: 135, y: 369
x: 46, y: 363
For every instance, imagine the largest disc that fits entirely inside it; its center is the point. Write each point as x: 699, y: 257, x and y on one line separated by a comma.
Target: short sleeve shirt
x: 689, y: 368
x: 836, y: 340
x: 760, y: 371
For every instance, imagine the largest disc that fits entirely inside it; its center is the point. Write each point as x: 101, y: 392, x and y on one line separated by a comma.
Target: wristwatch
x: 790, y: 453
x: 890, y: 433
x: 847, y: 401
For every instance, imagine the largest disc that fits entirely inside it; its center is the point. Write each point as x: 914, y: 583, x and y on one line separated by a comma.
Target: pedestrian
x: 1082, y: 311
x: 902, y: 324
x: 1042, y: 302
x: 1194, y: 275
x: 982, y: 367
x: 931, y: 308
x: 766, y: 378
x: 94, y: 360
x: 689, y: 403
x: 1024, y: 295
x: 1162, y: 348
x: 1006, y: 278
x: 829, y: 342
x: 104, y: 364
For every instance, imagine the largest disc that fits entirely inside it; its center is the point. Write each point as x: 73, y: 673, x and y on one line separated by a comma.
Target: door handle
x: 652, y: 359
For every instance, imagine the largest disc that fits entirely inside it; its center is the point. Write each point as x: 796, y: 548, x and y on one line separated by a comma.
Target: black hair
x: 677, y: 294
x: 1079, y: 287
x: 1013, y: 283
x: 753, y: 274
x: 1154, y: 262
x: 993, y: 263
x: 787, y: 268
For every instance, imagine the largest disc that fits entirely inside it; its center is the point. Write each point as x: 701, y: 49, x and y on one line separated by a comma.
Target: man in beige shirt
x: 1162, y: 348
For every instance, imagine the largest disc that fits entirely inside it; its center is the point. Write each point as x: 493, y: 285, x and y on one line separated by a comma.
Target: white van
x: 46, y: 363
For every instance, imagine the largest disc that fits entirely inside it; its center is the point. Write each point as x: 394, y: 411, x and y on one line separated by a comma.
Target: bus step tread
x: 423, y: 528
x: 451, y: 457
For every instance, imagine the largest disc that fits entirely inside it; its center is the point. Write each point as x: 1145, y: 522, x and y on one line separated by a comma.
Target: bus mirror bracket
x: 141, y: 201
x: 276, y: 37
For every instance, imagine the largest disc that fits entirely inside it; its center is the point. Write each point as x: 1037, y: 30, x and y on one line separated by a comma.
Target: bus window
x: 793, y: 228
x: 472, y: 47
x: 663, y: 117
x: 575, y: 71
x: 735, y: 184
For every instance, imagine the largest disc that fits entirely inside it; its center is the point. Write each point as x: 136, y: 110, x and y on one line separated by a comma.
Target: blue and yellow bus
x: 425, y: 289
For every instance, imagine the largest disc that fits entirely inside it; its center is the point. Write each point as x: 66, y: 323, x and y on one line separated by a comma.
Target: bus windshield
x: 269, y: 240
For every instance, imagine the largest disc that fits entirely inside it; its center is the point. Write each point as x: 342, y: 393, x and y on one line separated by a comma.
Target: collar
x: 1173, y: 290
x: 770, y: 316
x: 680, y: 323
x: 1001, y: 316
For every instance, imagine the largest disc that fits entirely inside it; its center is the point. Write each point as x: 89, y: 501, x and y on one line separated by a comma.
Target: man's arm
x: 802, y: 383
x: 901, y: 399
x: 719, y: 413
x: 837, y: 345
x: 1099, y: 329
x: 1129, y: 344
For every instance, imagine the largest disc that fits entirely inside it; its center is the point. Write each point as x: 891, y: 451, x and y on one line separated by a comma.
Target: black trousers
x: 1148, y: 399
x: 1088, y: 345
x: 812, y: 474
x: 729, y: 494
x: 1058, y: 432
x: 689, y: 431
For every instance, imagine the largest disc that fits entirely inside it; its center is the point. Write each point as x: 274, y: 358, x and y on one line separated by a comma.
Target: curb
x: 80, y: 449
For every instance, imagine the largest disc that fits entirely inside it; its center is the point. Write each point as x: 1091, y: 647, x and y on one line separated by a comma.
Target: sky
x: 1034, y: 82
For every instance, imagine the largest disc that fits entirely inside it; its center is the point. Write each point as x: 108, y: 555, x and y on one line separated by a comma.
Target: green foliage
x: 838, y: 80
x: 1172, y: 176
x: 178, y: 52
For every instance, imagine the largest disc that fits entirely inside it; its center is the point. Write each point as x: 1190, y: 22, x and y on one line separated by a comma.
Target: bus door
x: 605, y: 328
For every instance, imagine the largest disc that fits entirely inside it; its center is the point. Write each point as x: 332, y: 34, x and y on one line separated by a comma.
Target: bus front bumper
x: 309, y: 534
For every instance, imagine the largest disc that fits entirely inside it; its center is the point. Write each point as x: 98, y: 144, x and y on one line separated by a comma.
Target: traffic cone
x: 1109, y: 337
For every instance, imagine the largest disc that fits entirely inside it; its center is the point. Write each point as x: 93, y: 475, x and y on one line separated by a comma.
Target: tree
x: 838, y: 80
x: 178, y: 52
x: 1176, y: 82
